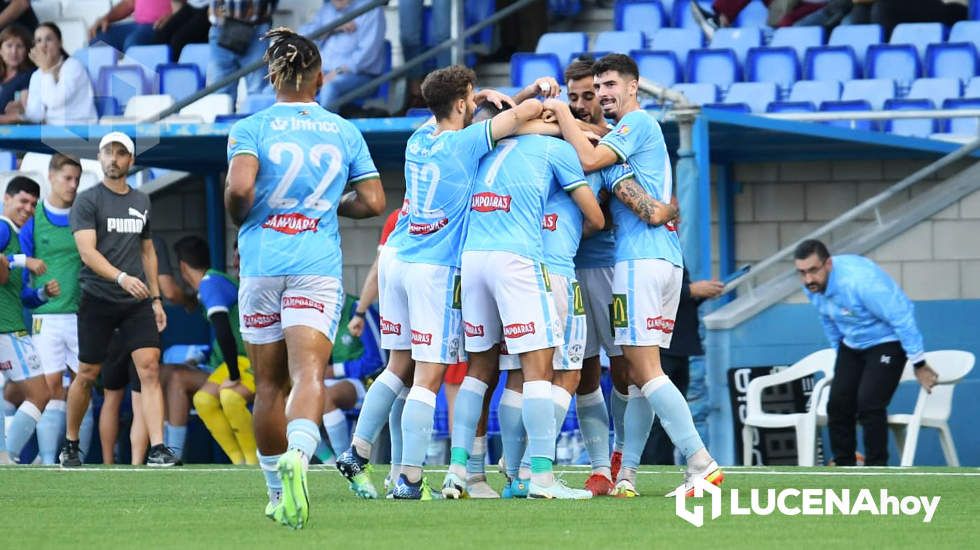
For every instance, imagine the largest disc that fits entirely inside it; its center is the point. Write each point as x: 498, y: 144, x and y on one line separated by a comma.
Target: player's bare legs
x: 147, y: 361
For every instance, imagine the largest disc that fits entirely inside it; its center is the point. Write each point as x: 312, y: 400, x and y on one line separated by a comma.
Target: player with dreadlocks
x: 288, y: 168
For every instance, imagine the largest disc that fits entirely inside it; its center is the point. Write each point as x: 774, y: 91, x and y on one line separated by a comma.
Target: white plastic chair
x: 46, y: 10
x: 805, y: 422
x: 89, y: 11
x: 932, y: 410
x: 141, y: 107
x: 209, y: 107
x: 74, y: 34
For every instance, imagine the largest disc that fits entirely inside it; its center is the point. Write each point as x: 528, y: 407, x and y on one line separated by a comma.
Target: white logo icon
x: 135, y: 212
x: 696, y: 516
x: 278, y: 124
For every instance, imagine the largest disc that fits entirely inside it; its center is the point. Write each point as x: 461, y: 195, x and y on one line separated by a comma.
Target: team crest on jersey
x: 665, y: 326
x: 671, y: 226
x: 261, y: 320
x: 291, y: 224
x: 517, y: 330
x: 427, y: 228
x: 387, y: 327
x: 405, y: 204
x: 6, y: 365
x: 301, y: 302
x: 623, y: 130
x: 549, y: 222
x: 421, y: 338
x: 489, y: 202
x: 472, y: 330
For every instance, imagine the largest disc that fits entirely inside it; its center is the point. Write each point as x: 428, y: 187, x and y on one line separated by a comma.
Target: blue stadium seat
x: 919, y: 35
x: 698, y: 93
x: 757, y: 95
x: 121, y: 82
x: 197, y: 54
x: 562, y: 44
x: 229, y: 118
x: 739, y: 40
x: 778, y: 65
x: 474, y: 12
x: 754, y: 14
x: 679, y: 41
x: 917, y: 127
x: 972, y: 88
x: 965, y: 126
x: 966, y: 31
x: 256, y: 102
x: 418, y: 112
x: 525, y: 68
x: 147, y: 57
x: 791, y: 107
x: 107, y: 106
x: 660, y: 67
x: 896, y: 61
x: 8, y: 160
x: 798, y: 38
x: 681, y: 14
x: 936, y: 90
x: 179, y: 80
x: 858, y: 37
x: 856, y: 105
x: 733, y: 107
x: 719, y: 67
x: 639, y: 15
x: 837, y: 63
x: 953, y: 60
x: 94, y: 58
x: 815, y: 91
x: 618, y: 41
x: 874, y: 91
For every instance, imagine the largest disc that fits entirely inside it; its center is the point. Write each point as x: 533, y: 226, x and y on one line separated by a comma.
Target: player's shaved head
x: 293, y: 60
x: 442, y: 88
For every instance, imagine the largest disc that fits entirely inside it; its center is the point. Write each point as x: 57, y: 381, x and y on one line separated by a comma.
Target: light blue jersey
x: 599, y: 250
x: 440, y: 169
x: 307, y: 155
x: 562, y: 232
x: 639, y: 143
x: 512, y: 187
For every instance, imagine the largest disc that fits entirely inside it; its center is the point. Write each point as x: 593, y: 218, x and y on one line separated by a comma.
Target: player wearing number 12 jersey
x: 288, y: 167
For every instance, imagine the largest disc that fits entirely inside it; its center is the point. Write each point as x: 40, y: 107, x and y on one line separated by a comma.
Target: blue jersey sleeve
x: 242, y: 139
x: 476, y: 140
x: 632, y: 130
x: 4, y: 235
x: 565, y: 165
x: 616, y: 174
x: 361, y: 164
x: 217, y: 294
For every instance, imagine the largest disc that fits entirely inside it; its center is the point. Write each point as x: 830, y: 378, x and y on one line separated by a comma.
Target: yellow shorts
x: 220, y: 374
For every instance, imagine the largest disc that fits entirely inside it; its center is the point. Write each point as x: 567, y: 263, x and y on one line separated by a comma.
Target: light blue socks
x: 593, y: 421
x: 512, y: 434
x: 303, y: 435
x: 374, y: 411
x: 420, y: 409
x: 637, y: 422
x: 174, y: 437
x: 675, y: 416
x: 617, y: 408
x: 21, y: 428
x: 335, y: 423
x: 51, y: 430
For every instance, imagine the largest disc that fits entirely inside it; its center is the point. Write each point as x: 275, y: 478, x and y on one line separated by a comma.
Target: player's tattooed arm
x: 642, y: 204
x: 240, y: 188
x: 592, y: 157
x: 365, y: 201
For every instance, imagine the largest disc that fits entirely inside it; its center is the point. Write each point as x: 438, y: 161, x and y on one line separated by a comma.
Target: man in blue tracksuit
x: 871, y: 322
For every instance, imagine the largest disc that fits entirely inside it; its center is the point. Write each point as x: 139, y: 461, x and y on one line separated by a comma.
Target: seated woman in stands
x: 15, y: 67
x: 60, y: 92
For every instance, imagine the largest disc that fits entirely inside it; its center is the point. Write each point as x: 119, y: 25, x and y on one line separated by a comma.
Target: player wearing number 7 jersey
x: 288, y: 167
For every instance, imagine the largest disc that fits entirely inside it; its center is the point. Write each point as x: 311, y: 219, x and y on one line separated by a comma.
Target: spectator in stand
x: 17, y: 11
x: 886, y: 13
x: 60, y: 91
x: 15, y: 68
x: 410, y: 30
x: 189, y: 24
x: 782, y: 13
x: 146, y: 14
x: 353, y: 54
x: 237, y: 28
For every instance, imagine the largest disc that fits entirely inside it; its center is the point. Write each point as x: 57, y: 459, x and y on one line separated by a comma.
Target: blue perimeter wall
x: 785, y: 333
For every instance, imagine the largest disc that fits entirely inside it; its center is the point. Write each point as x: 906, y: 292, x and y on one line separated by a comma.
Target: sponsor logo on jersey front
x: 301, y: 302
x: 427, y: 228
x: 261, y: 320
x: 387, y: 327
x: 665, y: 326
x: 472, y: 330
x: 517, y: 330
x: 421, y: 338
x: 291, y: 224
x: 490, y: 202
x: 549, y: 222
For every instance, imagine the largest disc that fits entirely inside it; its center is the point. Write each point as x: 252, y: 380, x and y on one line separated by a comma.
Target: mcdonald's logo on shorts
x: 619, y: 309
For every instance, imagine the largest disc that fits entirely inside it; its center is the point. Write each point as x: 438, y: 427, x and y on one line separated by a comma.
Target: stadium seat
x: 937, y: 90
x: 964, y: 126
x: 791, y: 107
x: 562, y: 44
x: 645, y: 16
x: 754, y: 15
x: 121, y: 82
x: 679, y: 41
x: 858, y: 37
x: 256, y: 102
x: 778, y: 65
x: 47, y: 10
x: 681, y: 15
x: 197, y: 54
x: 179, y: 79
x: 526, y: 67
x: 916, y: 127
x: 798, y: 38
x: 618, y: 41
x: 106, y: 106
x: 660, y: 67
x: 719, y: 67
x: 953, y: 60
x: 898, y: 62
x: 733, y: 107
x: 418, y: 112
x: 209, y: 107
x: 972, y: 88
x: 932, y: 409
x: 94, y: 58
x: 816, y: 91
x: 738, y: 40
x: 229, y: 118
x: 89, y: 11
x: 74, y: 34
x: 8, y: 160
x: 756, y: 95
x: 148, y: 57
x: 919, y: 35
x: 141, y: 107
x: 855, y: 105
x: 698, y: 93
x: 838, y: 63
x: 966, y: 31
x: 874, y: 91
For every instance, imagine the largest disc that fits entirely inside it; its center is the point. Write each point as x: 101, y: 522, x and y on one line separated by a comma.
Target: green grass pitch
x: 222, y: 507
